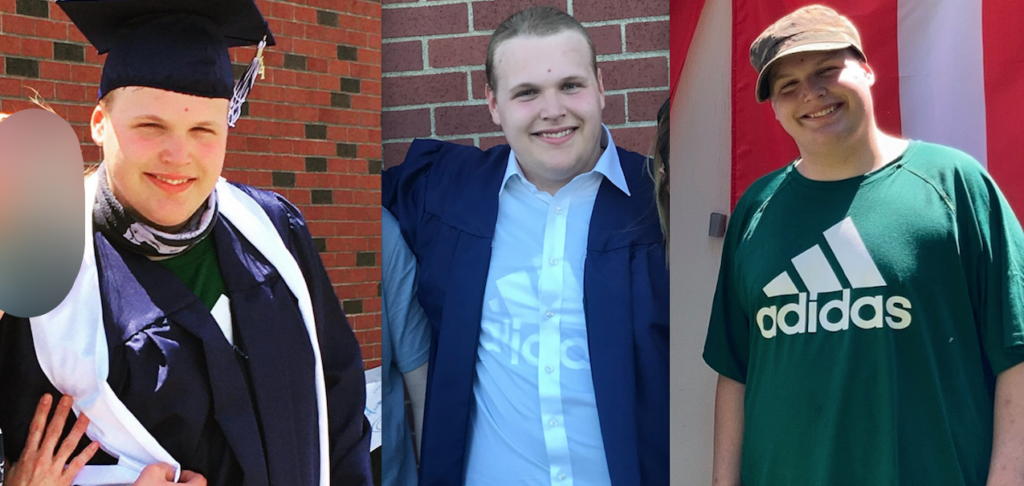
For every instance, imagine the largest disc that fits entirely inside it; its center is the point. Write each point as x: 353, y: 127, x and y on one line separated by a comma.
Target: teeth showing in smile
x: 173, y: 182
x: 823, y: 112
x: 557, y: 134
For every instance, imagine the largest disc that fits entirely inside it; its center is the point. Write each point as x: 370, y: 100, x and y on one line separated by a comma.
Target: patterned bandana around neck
x: 126, y: 230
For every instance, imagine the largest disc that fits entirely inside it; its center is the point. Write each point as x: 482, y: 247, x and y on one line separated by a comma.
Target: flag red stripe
x: 684, y: 15
x: 1004, y: 96
x: 759, y: 144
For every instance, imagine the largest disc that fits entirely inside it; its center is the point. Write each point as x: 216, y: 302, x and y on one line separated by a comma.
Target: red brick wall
x: 434, y: 53
x: 310, y: 130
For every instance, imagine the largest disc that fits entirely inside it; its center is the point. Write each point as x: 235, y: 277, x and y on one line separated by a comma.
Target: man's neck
x: 857, y: 157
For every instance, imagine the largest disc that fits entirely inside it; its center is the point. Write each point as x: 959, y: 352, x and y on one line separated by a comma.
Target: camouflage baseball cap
x: 811, y: 28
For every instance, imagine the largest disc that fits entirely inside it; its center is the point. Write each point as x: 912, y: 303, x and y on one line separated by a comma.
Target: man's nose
x: 175, y: 150
x: 812, y: 90
x: 552, y: 106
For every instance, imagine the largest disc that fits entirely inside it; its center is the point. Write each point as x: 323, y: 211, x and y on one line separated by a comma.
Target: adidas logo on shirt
x: 807, y: 314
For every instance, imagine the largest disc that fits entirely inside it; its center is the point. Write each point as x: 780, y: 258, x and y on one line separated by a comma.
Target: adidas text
x: 806, y: 316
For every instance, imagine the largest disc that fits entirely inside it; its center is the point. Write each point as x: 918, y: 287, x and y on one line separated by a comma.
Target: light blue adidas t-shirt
x: 405, y: 346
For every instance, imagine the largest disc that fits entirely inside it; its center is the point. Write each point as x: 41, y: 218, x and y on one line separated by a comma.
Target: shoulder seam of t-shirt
x: 934, y: 185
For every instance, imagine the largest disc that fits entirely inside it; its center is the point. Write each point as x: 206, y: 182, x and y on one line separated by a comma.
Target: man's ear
x: 600, y: 86
x: 97, y: 125
x: 492, y: 104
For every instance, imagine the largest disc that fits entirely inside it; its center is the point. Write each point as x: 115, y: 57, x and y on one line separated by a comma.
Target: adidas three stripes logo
x: 813, y: 268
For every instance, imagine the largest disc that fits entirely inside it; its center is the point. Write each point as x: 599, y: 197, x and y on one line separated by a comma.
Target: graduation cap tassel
x: 245, y: 84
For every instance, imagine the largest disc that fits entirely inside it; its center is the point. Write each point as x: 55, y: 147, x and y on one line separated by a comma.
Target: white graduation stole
x: 71, y: 346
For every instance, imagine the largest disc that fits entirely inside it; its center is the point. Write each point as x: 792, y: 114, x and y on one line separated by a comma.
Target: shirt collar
x: 607, y: 165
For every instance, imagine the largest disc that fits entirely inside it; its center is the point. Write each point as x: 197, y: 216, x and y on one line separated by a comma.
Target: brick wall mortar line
x: 424, y: 52
x: 438, y: 70
x: 393, y: 40
x: 474, y: 33
x: 625, y: 56
x: 433, y: 123
x: 569, y: 7
x: 436, y: 105
x: 422, y: 3
x: 472, y: 26
x: 625, y: 105
x: 632, y: 20
x: 622, y: 33
x: 306, y: 5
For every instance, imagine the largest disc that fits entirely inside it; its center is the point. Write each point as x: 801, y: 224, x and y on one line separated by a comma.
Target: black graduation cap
x: 176, y: 45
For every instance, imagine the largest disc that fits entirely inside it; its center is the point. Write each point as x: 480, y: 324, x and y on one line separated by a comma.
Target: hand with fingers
x: 38, y: 465
x: 162, y: 474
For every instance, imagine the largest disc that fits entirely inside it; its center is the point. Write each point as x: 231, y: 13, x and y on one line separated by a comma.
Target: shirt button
x: 549, y: 369
x: 553, y: 422
x: 561, y: 477
x: 550, y: 314
x: 558, y: 210
x: 553, y: 261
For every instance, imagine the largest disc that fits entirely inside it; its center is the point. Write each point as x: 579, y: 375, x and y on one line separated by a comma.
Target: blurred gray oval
x: 42, y: 212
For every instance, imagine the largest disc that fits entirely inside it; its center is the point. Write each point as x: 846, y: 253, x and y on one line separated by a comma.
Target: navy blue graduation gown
x: 445, y: 197
x: 240, y: 415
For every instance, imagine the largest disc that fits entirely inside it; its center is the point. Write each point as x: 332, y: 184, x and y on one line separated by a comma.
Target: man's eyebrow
x: 522, y: 86
x: 159, y: 119
x: 777, y: 75
x: 575, y: 78
x: 836, y: 56
x: 144, y: 117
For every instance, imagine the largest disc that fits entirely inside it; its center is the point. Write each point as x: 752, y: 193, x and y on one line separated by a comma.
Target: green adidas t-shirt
x: 199, y: 269
x: 868, y: 319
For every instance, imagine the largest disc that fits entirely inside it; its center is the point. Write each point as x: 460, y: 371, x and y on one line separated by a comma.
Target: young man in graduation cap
x: 202, y: 330
x: 543, y: 276
x: 868, y: 326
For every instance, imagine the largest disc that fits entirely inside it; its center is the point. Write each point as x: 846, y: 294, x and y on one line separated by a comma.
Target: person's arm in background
x: 416, y: 385
x: 406, y: 323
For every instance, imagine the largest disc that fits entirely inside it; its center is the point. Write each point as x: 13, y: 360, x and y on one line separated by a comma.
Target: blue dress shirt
x: 535, y: 417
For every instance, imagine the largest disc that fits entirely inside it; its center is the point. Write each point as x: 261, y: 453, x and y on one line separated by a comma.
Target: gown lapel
x: 279, y: 356
x: 464, y: 240
x: 138, y: 293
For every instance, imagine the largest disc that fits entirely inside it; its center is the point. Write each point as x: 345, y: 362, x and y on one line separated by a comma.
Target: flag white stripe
x: 816, y: 272
x: 852, y: 255
x: 942, y: 75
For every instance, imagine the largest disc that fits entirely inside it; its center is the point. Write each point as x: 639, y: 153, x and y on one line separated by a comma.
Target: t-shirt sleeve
x: 407, y: 325
x: 993, y: 235
x: 727, y: 347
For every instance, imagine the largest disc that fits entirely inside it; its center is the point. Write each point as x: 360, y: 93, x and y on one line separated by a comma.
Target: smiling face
x: 163, y: 151
x: 823, y: 99
x: 548, y: 102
